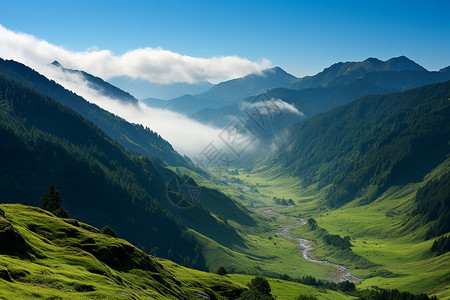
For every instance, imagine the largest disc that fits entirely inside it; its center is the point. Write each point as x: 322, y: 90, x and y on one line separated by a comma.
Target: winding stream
x: 306, y: 246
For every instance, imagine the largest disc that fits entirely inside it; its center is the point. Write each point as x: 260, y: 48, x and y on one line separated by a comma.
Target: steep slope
x: 372, y: 143
x: 433, y: 205
x: 134, y: 137
x: 64, y: 258
x: 102, y: 87
x: 205, y: 210
x: 46, y: 143
x: 253, y: 84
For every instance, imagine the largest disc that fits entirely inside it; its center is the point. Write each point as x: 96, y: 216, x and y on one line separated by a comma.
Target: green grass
x: 263, y: 257
x: 69, y: 259
x: 260, y: 255
x: 377, y: 230
x: 402, y: 258
x: 288, y: 290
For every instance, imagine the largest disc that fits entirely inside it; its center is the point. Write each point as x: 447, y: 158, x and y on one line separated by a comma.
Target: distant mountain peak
x: 342, y: 72
x: 252, y: 84
x: 446, y: 69
x: 100, y: 85
x: 278, y: 72
x: 401, y: 58
x: 56, y: 64
x: 402, y: 63
x: 276, y: 69
x: 373, y: 59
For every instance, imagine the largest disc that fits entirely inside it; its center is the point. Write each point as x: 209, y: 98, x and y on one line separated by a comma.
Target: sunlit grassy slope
x: 287, y: 290
x: 63, y: 258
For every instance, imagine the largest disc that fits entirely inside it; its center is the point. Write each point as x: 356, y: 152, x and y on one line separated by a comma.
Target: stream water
x: 306, y: 246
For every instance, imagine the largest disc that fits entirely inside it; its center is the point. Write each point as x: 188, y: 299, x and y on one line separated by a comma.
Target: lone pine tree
x: 51, y: 201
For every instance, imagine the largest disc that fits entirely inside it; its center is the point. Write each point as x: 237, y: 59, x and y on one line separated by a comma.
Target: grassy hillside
x: 42, y: 256
x: 288, y: 290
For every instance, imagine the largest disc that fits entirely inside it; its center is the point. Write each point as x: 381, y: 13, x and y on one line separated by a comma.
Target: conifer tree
x: 51, y: 201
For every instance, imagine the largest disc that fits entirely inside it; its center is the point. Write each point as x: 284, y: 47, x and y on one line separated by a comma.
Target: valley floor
x: 382, y: 255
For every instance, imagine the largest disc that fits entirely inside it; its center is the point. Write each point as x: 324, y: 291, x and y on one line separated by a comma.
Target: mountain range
x: 395, y: 74
x: 358, y: 176
x: 335, y: 86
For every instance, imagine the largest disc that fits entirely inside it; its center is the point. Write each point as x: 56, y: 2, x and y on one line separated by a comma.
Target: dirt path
x: 306, y: 246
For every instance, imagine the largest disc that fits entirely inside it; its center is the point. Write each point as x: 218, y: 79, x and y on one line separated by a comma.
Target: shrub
x: 108, y: 231
x: 221, y: 271
x: 61, y: 213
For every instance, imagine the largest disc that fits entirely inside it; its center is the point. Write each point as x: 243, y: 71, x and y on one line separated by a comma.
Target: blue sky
x: 302, y: 37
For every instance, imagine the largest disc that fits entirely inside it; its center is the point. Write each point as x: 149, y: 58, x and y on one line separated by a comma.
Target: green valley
x: 353, y: 204
x: 224, y: 150
x: 376, y: 195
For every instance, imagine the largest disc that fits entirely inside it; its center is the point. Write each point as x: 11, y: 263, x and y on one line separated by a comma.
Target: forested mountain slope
x: 372, y: 143
x: 134, y: 137
x: 44, y: 143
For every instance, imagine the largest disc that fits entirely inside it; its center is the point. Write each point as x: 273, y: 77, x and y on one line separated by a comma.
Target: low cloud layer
x: 186, y: 135
x: 271, y: 106
x: 152, y: 64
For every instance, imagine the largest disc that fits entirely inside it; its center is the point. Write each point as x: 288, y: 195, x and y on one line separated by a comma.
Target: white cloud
x: 152, y: 64
x: 271, y: 106
x: 157, y: 65
x: 186, y: 135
